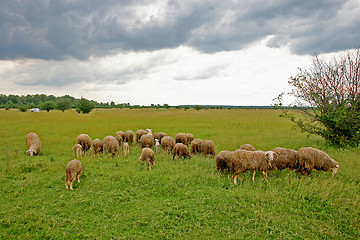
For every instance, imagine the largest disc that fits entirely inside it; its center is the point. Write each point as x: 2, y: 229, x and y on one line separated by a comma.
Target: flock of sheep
x: 247, y: 158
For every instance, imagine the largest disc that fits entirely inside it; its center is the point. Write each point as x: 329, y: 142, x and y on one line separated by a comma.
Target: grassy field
x: 184, y: 199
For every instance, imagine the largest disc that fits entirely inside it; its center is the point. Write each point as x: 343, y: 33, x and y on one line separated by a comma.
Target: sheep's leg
x: 270, y: 173
x: 264, y: 174
x: 66, y: 186
x: 71, y: 188
x: 78, y: 177
x: 235, y: 179
x: 319, y: 171
x: 253, y: 178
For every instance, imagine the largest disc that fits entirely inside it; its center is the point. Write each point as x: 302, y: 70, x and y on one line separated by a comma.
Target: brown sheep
x: 223, y: 161
x: 243, y: 160
x: 181, y: 151
x: 161, y: 135
x: 138, y: 135
x: 77, y: 149
x: 196, y: 146
x: 311, y: 158
x: 156, y: 135
x: 286, y: 158
x: 126, y: 148
x: 208, y: 148
x: 180, y: 138
x: 33, y: 144
x: 147, y: 140
x: 85, y: 141
x: 110, y: 144
x: 247, y: 147
x: 167, y: 143
x: 73, y: 171
x: 97, y: 147
x: 189, y: 138
x: 129, y: 136
x: 148, y: 157
x: 119, y: 135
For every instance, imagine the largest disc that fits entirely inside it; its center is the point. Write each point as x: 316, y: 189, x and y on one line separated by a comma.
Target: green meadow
x: 183, y: 199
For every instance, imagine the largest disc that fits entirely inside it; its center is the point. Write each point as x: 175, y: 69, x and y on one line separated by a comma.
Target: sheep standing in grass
x: 119, y: 135
x: 223, y: 161
x: 181, y: 138
x: 243, y: 160
x: 180, y: 150
x: 147, y: 140
x: 77, y: 149
x: 208, y: 148
x: 138, y: 134
x: 97, y: 147
x: 167, y: 143
x: 189, y: 138
x: 285, y: 158
x: 73, y: 171
x: 196, y: 146
x: 33, y: 144
x: 148, y: 157
x: 311, y: 158
x: 161, y: 135
x: 157, y: 145
x: 85, y: 141
x: 129, y: 136
x: 126, y: 148
x: 110, y: 144
x: 247, y: 147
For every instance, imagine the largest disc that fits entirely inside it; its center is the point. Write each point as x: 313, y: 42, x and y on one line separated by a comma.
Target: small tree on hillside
x: 84, y: 106
x: 331, y: 93
x: 47, y: 106
x: 63, y: 105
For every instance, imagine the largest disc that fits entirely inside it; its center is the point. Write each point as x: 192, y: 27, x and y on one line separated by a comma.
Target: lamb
x: 77, y: 148
x: 286, y: 158
x: 126, y: 148
x: 181, y: 138
x: 157, y: 145
x: 119, y: 135
x: 208, y: 148
x: 243, y: 160
x: 148, y: 157
x: 223, y: 162
x: 181, y: 151
x: 97, y: 147
x: 129, y: 136
x: 196, y: 146
x: 248, y: 147
x: 147, y: 140
x: 310, y: 158
x: 85, y: 141
x: 167, y: 143
x: 73, y: 171
x: 189, y: 138
x: 138, y: 135
x: 33, y: 144
x: 110, y: 144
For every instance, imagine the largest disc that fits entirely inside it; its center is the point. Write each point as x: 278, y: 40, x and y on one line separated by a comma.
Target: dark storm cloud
x: 80, y: 29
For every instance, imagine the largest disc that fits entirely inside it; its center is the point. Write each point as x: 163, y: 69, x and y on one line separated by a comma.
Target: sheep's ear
x: 337, y: 166
x: 35, y: 151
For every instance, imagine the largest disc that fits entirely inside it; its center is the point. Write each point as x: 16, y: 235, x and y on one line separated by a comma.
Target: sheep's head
x: 335, y: 169
x: 31, y: 152
x: 270, y: 155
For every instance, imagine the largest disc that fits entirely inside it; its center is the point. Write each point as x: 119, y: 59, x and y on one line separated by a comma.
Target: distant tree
x: 23, y: 108
x: 63, y: 105
x: 186, y: 108
x: 47, y: 106
x: 197, y: 107
x: 9, y: 104
x: 84, y: 106
x: 166, y: 106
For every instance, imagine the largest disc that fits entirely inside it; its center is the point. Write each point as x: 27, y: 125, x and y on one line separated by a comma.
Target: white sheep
x: 33, y: 144
x: 73, y: 171
x: 157, y: 145
x: 126, y: 148
x: 77, y: 149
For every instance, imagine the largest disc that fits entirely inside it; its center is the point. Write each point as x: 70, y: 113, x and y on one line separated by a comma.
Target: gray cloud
x: 82, y: 29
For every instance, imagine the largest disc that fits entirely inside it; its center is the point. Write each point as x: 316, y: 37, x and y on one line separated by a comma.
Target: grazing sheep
x: 161, y: 135
x: 180, y: 138
x: 73, y: 171
x: 310, y: 158
x: 243, y: 160
x: 126, y: 148
x: 286, y: 158
x: 77, y: 148
x: 119, y: 135
x: 208, y: 148
x: 167, y: 143
x: 110, y: 144
x: 148, y: 157
x: 223, y: 162
x: 85, y: 141
x: 33, y: 144
x: 147, y: 131
x: 129, y: 136
x: 181, y: 151
x: 196, y: 146
x: 156, y: 135
x: 157, y: 145
x: 189, y: 138
x: 147, y: 140
x: 247, y: 147
x: 97, y: 147
x: 138, y: 134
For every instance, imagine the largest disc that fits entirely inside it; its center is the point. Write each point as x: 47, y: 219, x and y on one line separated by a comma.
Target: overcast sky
x: 175, y: 52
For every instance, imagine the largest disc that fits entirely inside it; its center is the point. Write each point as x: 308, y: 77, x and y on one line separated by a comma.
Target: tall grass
x: 184, y: 199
